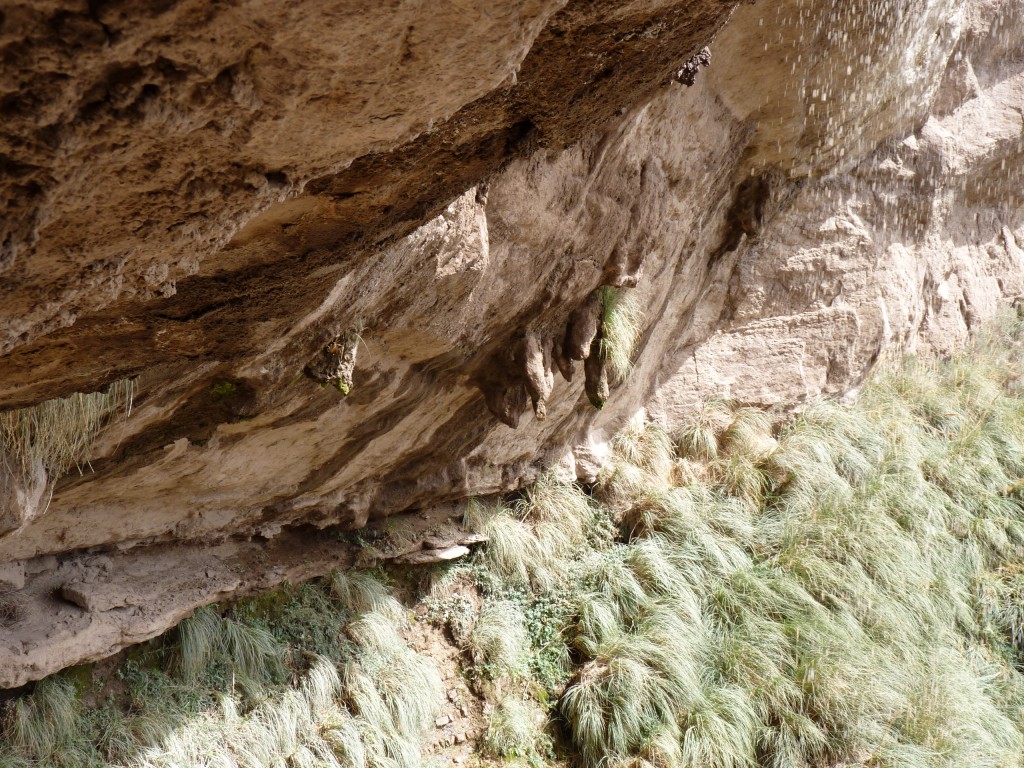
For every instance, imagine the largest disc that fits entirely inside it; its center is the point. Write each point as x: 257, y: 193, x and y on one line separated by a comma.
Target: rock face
x: 207, y: 196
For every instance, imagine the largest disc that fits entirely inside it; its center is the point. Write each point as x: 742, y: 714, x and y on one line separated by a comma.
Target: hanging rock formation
x: 204, y: 196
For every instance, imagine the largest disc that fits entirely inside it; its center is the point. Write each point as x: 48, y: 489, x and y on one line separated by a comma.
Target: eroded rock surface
x: 206, y: 196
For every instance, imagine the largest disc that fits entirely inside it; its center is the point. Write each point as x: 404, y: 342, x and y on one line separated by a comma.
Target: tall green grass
x: 621, y: 327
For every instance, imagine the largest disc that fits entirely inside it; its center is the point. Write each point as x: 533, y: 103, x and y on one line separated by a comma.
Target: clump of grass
x: 514, y: 731
x: 251, y: 653
x: 646, y: 446
x: 199, y: 641
x: 621, y: 326
x: 394, y: 691
x: 642, y: 463
x: 58, y: 434
x: 698, y: 439
x: 498, y: 641
x: 513, y: 551
x: 749, y: 434
x: 526, y: 541
x: 43, y: 725
x: 558, y: 511
x: 360, y: 592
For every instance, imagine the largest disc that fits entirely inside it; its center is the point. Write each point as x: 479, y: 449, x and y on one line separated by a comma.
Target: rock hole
x: 225, y: 79
x: 517, y: 134
x: 276, y: 179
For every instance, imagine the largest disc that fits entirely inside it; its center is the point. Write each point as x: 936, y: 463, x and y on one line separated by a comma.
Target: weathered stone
x: 595, y: 370
x: 539, y: 378
x: 428, y: 556
x: 688, y: 74
x: 335, y: 363
x: 582, y: 330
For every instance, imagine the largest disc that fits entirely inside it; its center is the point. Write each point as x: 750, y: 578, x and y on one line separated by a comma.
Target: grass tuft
x: 498, y: 642
x: 698, y: 439
x: 251, y: 653
x: 514, y: 732
x: 621, y: 327
x: 43, y: 724
x: 58, y: 434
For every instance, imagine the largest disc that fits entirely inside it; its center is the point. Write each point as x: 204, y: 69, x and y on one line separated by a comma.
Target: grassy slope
x: 318, y: 676
x: 847, y: 593
x: 850, y: 591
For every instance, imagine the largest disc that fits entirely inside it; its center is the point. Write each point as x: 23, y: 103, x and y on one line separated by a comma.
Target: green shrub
x: 43, y: 725
x: 498, y: 641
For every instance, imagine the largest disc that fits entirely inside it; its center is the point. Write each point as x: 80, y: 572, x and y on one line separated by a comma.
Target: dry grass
x: 58, y: 434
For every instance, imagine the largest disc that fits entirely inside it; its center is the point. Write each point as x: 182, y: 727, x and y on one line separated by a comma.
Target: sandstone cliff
x: 202, y: 196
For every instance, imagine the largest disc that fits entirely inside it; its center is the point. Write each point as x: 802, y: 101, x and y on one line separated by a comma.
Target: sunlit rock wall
x: 844, y: 178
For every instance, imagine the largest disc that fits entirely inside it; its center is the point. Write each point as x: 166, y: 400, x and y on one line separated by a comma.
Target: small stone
x: 460, y: 738
x: 453, y: 694
x: 428, y: 556
x: 458, y: 759
x: 442, y: 721
x: 464, y: 710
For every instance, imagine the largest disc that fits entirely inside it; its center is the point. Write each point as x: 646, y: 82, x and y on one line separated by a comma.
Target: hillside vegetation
x: 843, y: 589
